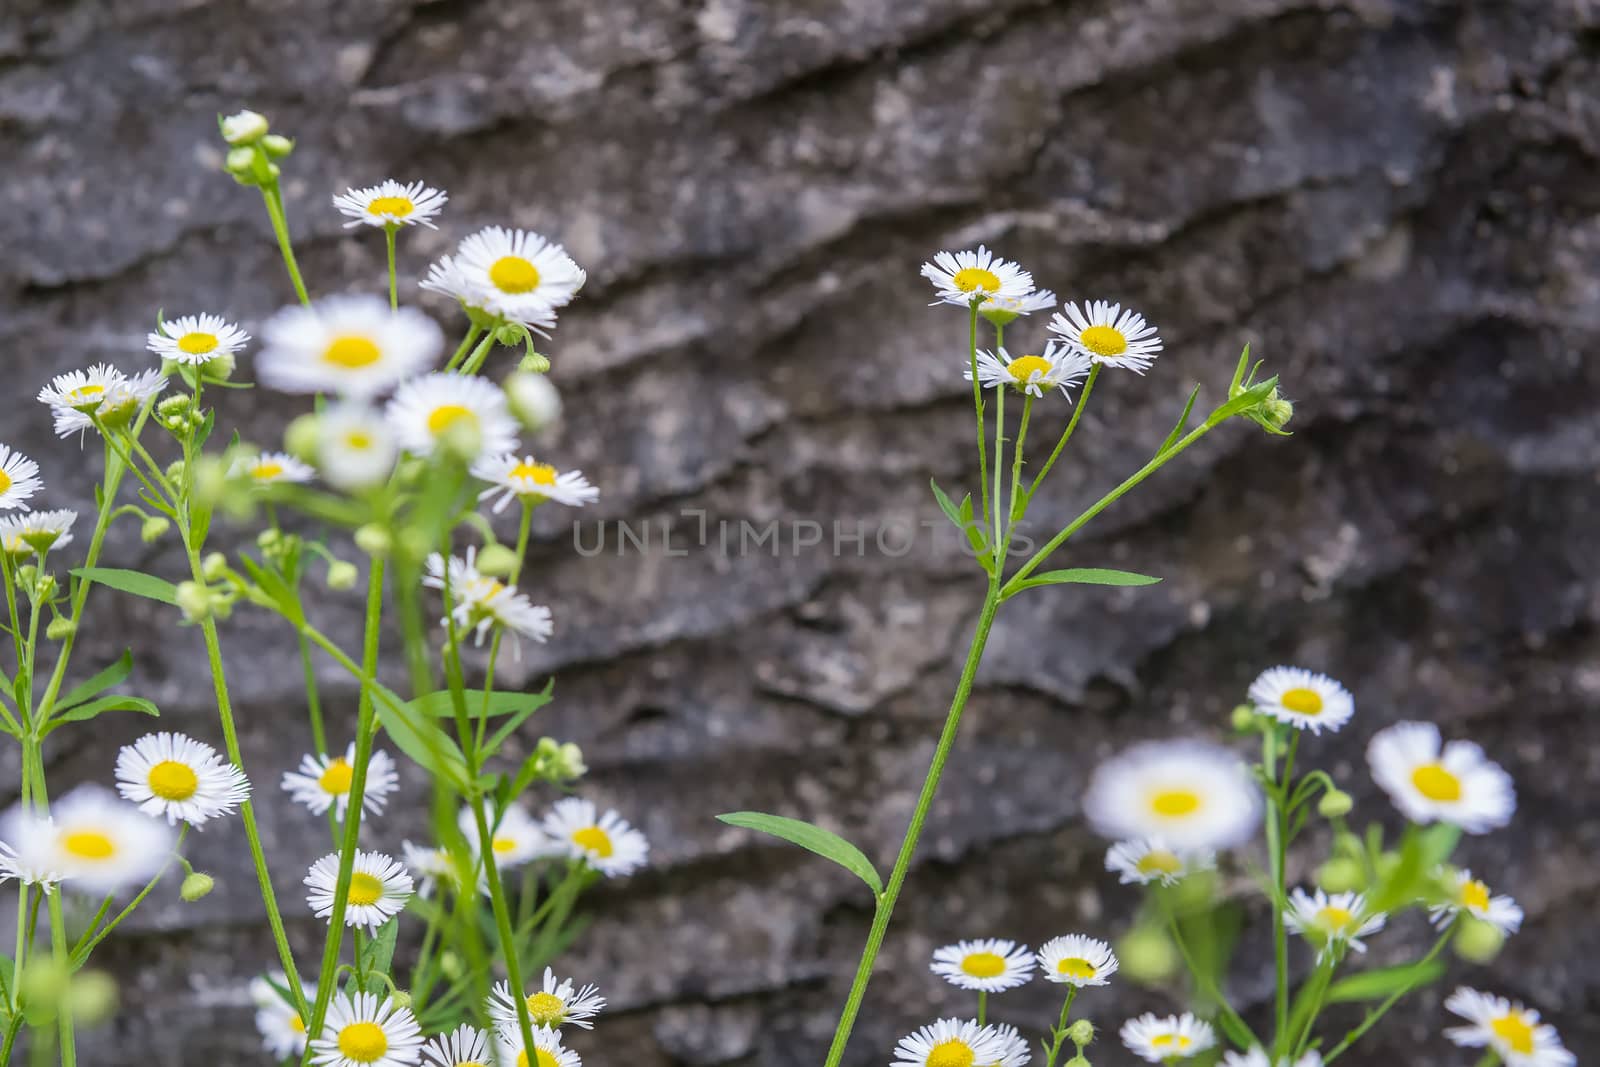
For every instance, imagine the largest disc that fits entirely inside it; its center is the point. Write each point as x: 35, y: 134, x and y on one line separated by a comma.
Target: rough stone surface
x: 1393, y: 200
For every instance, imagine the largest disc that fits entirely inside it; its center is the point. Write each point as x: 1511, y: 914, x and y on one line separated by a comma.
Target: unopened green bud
x: 218, y: 368
x: 374, y: 540
x: 240, y: 162
x: 175, y: 406
x: 60, y: 628
x: 1244, y: 718
x: 1147, y: 955
x: 401, y: 998
x: 342, y: 574
x: 302, y: 438
x: 1078, y: 1061
x: 534, y: 363
x: 92, y: 996
x: 510, y: 334
x: 195, y: 601
x: 175, y: 471
x: 27, y: 575
x: 1341, y: 875
x: 450, y: 964
x: 276, y: 145
x: 1273, y: 413
x: 44, y: 986
x: 1477, y: 941
x: 1335, y: 803
x: 244, y: 127
x: 1081, y: 1032
x: 269, y: 540
x: 496, y: 560
x: 214, y: 566
x: 196, y: 885
x: 44, y: 587
x: 152, y: 528
x: 533, y: 399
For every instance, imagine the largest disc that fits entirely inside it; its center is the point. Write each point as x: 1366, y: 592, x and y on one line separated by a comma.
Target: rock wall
x: 1393, y: 200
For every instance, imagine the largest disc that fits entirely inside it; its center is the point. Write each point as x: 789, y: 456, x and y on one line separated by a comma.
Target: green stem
x: 58, y: 952
x: 908, y: 847
x: 1204, y: 978
x: 977, y: 407
x: 475, y: 361
x: 1275, y: 861
x: 502, y: 922
x: 1061, y: 1027
x: 16, y: 963
x: 92, y: 937
x: 394, y: 285
x: 999, y: 476
x: 466, y: 346
x: 1016, y: 456
x: 1066, y: 435
x: 983, y: 1007
x: 1377, y: 1013
x: 319, y: 736
x: 273, y: 197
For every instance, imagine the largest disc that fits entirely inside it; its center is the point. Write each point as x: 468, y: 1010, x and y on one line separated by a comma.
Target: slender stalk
x: 319, y: 735
x: 1275, y: 860
x: 908, y: 847
x: 1377, y: 1013
x: 474, y: 362
x: 58, y: 952
x: 502, y: 922
x: 466, y: 346
x: 1072, y: 424
x: 1000, y: 545
x: 273, y: 197
x: 86, y: 944
x: 394, y: 289
x: 16, y: 963
x: 1204, y: 979
x: 1061, y: 1027
x: 983, y: 1007
x: 977, y: 406
x: 1016, y: 457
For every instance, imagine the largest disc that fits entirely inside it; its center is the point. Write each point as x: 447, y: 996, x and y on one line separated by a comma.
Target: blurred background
x: 1394, y: 201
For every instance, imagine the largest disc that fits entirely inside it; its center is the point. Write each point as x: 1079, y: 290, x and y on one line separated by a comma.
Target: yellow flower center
x: 267, y: 470
x: 1475, y: 894
x: 5, y: 481
x: 594, y: 839
x: 89, y: 845
x: 352, y: 352
x: 545, y: 1059
x: 365, y: 890
x: 983, y: 965
x: 1436, y: 783
x: 397, y: 206
x: 336, y: 777
x: 972, y: 279
x: 197, y: 344
x: 1178, y: 1041
x: 546, y: 1009
x: 503, y: 844
x: 447, y: 415
x: 1335, y: 920
x: 1104, y: 341
x: 952, y: 1053
x: 1075, y: 967
x: 84, y: 394
x: 541, y: 473
x: 363, y: 1042
x: 1175, y: 803
x: 297, y: 1024
x: 1159, y: 861
x: 171, y: 780
x: 1024, y: 367
x: 1303, y: 701
x: 513, y: 274
x: 1514, y: 1030
x: 469, y: 1063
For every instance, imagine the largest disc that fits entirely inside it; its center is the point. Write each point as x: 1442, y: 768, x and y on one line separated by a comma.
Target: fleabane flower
x: 466, y: 1046
x: 515, y: 275
x: 988, y: 965
x: 196, y: 339
x: 1015, y: 1051
x: 356, y: 449
x: 467, y: 414
x: 19, y: 479
x: 351, y: 345
x: 1057, y: 367
x: 1190, y: 794
x: 389, y: 203
x: 1513, y: 1031
x: 1330, y: 921
x: 432, y: 866
x: 1430, y: 781
x: 547, y: 1051
x: 959, y: 277
x: 78, y: 399
x: 379, y: 889
x: 479, y: 602
x: 322, y: 781
x: 1257, y: 1057
x: 362, y: 1031
x: 271, y: 468
x: 175, y: 776
x: 1077, y: 960
x: 282, y: 1030
x: 1108, y: 335
x: 513, y: 477
x: 1150, y: 859
x: 556, y: 1003
x: 100, y: 843
x: 1472, y: 896
x: 37, y: 531
x: 1302, y: 699
x: 605, y: 842
x: 28, y: 849
x: 1005, y: 309
x: 515, y: 840
x: 949, y: 1042
x: 1157, y: 1039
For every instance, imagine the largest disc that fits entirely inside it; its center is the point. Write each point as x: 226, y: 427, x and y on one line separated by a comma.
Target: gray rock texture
x: 1394, y: 201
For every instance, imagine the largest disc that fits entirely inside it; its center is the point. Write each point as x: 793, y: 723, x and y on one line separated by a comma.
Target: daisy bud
x: 1273, y: 413
x: 342, y: 575
x: 533, y: 399
x: 1147, y: 956
x: 240, y: 163
x: 26, y: 576
x: 218, y: 368
x: 1341, y: 875
x: 276, y: 145
x: 44, y: 588
x: 1477, y: 941
x: 1244, y: 718
x: 1081, y: 1032
x: 374, y: 540
x: 214, y: 566
x: 450, y: 964
x: 153, y: 527
x: 175, y: 472
x: 60, y: 628
x: 1334, y: 804
x: 92, y: 996
x: 401, y: 998
x: 497, y: 561
x: 195, y: 601
x: 196, y: 885
x: 510, y: 335
x: 268, y: 540
x: 534, y: 363
x: 572, y: 765
x: 244, y: 128
x: 1078, y: 1061
x: 302, y: 439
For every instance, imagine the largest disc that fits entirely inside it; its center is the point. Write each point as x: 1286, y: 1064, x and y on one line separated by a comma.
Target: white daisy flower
x: 1454, y: 783
x: 447, y: 276
x: 988, y: 965
x: 101, y: 843
x: 516, y: 839
x: 196, y: 339
x: 28, y: 849
x: 949, y: 1042
x: 390, y: 203
x: 282, y: 1030
x: 1107, y: 334
x: 322, y: 782
x: 1473, y: 897
x: 432, y: 866
x: 1077, y: 960
x: 179, y: 777
x: 1190, y: 794
x: 548, y: 1051
x: 355, y: 447
x: 514, y: 275
x: 957, y: 277
x: 379, y: 889
x: 1014, y: 306
x: 1058, y: 367
x: 1157, y: 1039
x: 1149, y: 859
x: 71, y: 396
x: 350, y: 344
x: 482, y: 602
x: 607, y: 843
x: 553, y: 1005
x: 466, y: 1046
x: 271, y: 468
x: 425, y: 409
x: 1328, y: 922
x: 1015, y: 1050
x: 19, y: 479
x: 361, y: 1031
x: 514, y: 477
x: 244, y: 127
x: 1257, y: 1057
x: 37, y: 531
x: 1513, y: 1031
x: 1302, y: 699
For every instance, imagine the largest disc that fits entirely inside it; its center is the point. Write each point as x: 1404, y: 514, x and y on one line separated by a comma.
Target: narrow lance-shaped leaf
x: 107, y: 678
x: 824, y: 843
x: 1384, y: 982
x: 145, y: 585
x: 1087, y: 576
x: 84, y: 712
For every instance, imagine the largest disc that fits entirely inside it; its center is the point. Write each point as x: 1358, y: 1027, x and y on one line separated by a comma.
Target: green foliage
x: 824, y: 843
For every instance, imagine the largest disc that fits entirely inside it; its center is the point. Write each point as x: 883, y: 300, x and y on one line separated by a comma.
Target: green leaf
x: 945, y: 505
x: 377, y: 954
x: 1182, y: 424
x: 107, y: 678
x: 824, y: 843
x: 1086, y: 576
x: 1383, y: 982
x: 420, y: 738
x: 282, y: 595
x: 115, y: 702
x: 145, y: 585
x: 500, y: 702
x: 511, y: 725
x: 1247, y: 399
